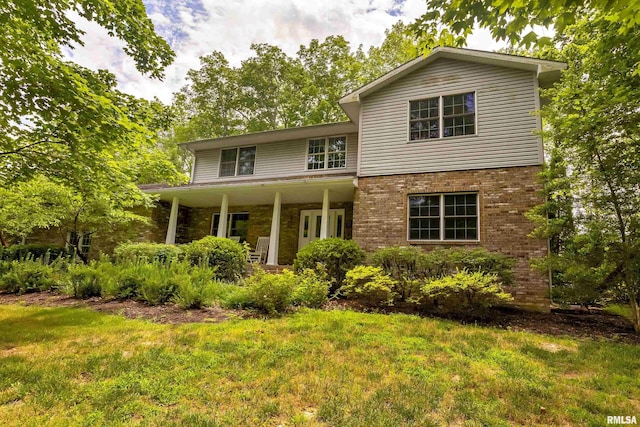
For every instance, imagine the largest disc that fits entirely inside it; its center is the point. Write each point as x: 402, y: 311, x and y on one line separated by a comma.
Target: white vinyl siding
x: 504, y: 135
x: 273, y: 160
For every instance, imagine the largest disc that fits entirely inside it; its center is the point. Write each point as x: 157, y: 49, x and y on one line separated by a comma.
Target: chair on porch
x: 259, y: 255
x: 235, y: 238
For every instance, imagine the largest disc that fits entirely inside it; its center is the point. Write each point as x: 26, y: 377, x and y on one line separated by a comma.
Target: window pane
x: 459, y: 115
x: 423, y: 119
x: 214, y: 225
x: 424, y: 217
x: 337, y: 160
x: 228, y: 169
x: 229, y: 155
x: 316, y: 146
x: 247, y: 160
x: 240, y: 225
x: 316, y: 157
x: 461, y: 217
x: 315, y: 161
x: 337, y: 144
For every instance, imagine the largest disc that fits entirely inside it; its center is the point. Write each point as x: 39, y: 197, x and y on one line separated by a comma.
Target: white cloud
x: 197, y: 27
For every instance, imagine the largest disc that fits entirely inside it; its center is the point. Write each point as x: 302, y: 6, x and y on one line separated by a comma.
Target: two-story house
x: 441, y: 151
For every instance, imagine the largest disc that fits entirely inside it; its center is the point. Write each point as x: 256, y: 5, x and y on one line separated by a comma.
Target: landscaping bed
x: 573, y: 323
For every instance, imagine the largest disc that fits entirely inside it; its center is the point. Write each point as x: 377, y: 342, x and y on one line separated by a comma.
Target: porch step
x: 269, y: 268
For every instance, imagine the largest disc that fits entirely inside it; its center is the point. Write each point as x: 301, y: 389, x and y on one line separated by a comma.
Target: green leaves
x: 272, y: 90
x: 448, y: 23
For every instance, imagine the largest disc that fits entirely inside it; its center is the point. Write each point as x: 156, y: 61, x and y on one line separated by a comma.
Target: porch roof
x: 258, y: 192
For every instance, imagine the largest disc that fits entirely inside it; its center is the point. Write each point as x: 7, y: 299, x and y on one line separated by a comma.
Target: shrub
x: 311, y: 289
x: 28, y: 275
x: 407, y: 265
x: 157, y: 286
x: 270, y: 293
x: 465, y: 292
x: 34, y: 251
x: 337, y: 256
x: 194, y: 289
x: 229, y: 257
x: 148, y: 251
x: 370, y: 285
x: 445, y: 262
x: 82, y: 281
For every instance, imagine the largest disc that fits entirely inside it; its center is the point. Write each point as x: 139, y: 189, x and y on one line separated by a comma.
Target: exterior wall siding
x: 273, y: 160
x: 505, y: 194
x: 505, y: 100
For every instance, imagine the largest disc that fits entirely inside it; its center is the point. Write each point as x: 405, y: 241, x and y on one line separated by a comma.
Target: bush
x: 148, y: 251
x: 229, y: 257
x: 464, y: 292
x: 370, y: 285
x: 408, y: 265
x: 451, y: 261
x: 337, y: 256
x: 311, y: 289
x: 270, y: 293
x: 28, y: 275
x: 194, y: 289
x: 34, y: 251
x: 82, y: 281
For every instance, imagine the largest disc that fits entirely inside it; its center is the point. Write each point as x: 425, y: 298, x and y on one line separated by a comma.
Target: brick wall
x: 198, y: 224
x: 505, y: 194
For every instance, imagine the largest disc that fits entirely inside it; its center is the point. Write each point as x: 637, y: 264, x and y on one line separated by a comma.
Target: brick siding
x: 505, y: 194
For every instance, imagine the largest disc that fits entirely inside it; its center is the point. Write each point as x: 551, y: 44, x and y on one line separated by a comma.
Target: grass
x: 71, y: 366
x: 623, y: 310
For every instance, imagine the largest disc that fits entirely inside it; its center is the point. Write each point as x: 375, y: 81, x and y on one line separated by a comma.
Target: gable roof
x: 546, y: 71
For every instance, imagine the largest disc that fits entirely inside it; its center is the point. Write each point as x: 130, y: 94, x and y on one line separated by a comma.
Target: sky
x: 197, y: 27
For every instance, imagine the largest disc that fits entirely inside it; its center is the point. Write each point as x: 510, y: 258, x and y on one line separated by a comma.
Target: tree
x: 593, y: 121
x: 331, y: 71
x: 271, y: 90
x: 72, y: 147
x: 450, y: 22
x: 399, y: 46
x: 55, y: 114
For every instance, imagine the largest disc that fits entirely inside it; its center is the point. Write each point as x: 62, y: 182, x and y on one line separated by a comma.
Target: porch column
x: 224, y: 213
x: 324, y: 226
x: 173, y: 222
x: 274, y: 237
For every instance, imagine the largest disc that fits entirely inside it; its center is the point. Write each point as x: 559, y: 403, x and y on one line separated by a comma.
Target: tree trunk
x: 635, y: 311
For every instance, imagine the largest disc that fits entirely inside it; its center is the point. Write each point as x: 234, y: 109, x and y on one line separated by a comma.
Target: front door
x: 311, y: 224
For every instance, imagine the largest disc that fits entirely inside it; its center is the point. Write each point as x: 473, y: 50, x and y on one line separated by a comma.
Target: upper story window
x: 237, y: 161
x: 443, y: 216
x: 442, y: 116
x: 327, y: 153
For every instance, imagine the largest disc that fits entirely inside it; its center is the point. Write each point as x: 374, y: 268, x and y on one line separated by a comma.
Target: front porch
x: 299, y: 211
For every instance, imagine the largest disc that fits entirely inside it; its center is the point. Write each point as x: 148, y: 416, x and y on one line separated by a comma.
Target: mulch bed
x: 580, y: 324
x: 169, y: 313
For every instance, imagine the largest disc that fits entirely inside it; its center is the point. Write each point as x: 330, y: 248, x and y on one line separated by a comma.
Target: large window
x: 237, y: 161
x: 443, y: 216
x: 327, y: 153
x: 442, y: 116
x: 237, y: 225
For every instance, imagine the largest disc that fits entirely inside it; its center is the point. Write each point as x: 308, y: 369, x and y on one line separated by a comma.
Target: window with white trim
x: 237, y: 161
x: 83, y: 237
x: 442, y: 116
x: 327, y: 153
x: 451, y: 216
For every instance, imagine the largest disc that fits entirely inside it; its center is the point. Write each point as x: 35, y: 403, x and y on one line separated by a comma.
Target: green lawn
x: 67, y: 366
